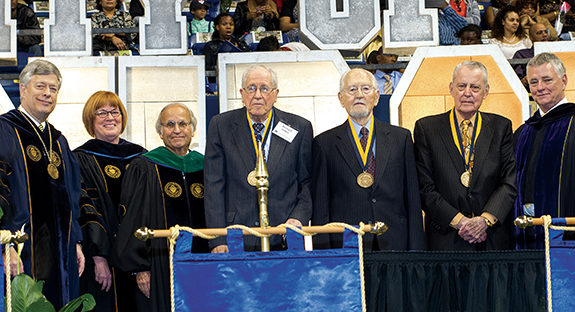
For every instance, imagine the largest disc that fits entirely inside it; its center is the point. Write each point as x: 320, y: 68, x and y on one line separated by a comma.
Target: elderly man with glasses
x: 231, y: 195
x: 162, y: 188
x: 364, y: 171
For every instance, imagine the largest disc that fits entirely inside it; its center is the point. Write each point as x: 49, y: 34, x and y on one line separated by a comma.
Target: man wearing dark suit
x: 231, y: 157
x: 351, y: 184
x: 466, y: 169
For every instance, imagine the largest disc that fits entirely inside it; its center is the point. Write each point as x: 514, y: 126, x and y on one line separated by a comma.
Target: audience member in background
x: 223, y: 32
x: 449, y: 24
x: 508, y: 32
x: 269, y: 43
x: 537, y: 33
x: 528, y: 17
x: 199, y: 24
x: 468, y: 9
x: 279, y: 4
x: 136, y: 9
x: 103, y: 162
x: 110, y: 16
x: 289, y: 20
x: 26, y: 19
x: 255, y: 15
x: 372, y: 59
x: 470, y: 34
x: 387, y: 79
x: 549, y: 9
x: 491, y: 11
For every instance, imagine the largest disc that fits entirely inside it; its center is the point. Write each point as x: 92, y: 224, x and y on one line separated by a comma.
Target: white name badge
x: 285, y: 132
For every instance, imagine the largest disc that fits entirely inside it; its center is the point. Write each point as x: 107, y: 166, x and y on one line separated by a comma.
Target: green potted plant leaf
x: 27, y: 297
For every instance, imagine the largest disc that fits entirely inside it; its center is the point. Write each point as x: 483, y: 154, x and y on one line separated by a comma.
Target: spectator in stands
x: 508, y: 32
x: 255, y: 15
x: 549, y: 9
x: 136, y: 9
x: 449, y: 24
x: 269, y: 43
x: 387, y: 79
x: 26, y: 19
x: 537, y: 33
x: 224, y: 29
x: 491, y: 11
x: 289, y: 20
x: 200, y: 8
x: 110, y: 16
x: 528, y: 17
x: 470, y: 34
x: 468, y: 9
x: 371, y: 60
x: 279, y: 4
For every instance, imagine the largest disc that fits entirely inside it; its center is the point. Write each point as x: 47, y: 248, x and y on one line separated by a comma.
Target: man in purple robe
x: 545, y: 151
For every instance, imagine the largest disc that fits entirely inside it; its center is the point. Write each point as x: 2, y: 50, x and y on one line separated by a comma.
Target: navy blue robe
x: 48, y: 207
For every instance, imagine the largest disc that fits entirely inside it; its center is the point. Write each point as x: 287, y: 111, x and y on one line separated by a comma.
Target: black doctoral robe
x: 103, y: 166
x: 47, y: 207
x: 545, y: 158
x: 160, y: 190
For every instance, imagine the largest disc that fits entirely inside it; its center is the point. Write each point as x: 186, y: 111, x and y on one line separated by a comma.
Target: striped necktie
x: 387, y: 87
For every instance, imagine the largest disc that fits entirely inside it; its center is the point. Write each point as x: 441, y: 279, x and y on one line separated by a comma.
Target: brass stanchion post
x: 262, y: 184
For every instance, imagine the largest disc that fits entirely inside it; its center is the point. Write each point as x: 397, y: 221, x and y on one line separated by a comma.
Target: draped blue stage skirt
x: 562, y: 258
x: 292, y: 280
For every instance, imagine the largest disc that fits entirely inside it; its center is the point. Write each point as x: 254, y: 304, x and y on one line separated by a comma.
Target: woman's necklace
x: 510, y: 41
x: 52, y: 167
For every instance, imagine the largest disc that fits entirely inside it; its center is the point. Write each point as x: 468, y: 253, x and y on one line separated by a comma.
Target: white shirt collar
x: 23, y: 110
x: 563, y: 101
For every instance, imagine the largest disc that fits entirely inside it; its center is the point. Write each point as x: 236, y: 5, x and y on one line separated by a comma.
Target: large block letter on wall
x: 67, y: 31
x: 7, y: 31
x: 339, y: 24
x: 163, y: 28
x: 408, y: 23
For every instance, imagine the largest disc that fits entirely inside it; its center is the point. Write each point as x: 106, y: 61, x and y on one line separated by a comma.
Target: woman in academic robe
x: 103, y: 162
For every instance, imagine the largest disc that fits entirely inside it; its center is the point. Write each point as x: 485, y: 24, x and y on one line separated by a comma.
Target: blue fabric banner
x: 562, y: 257
x: 292, y: 280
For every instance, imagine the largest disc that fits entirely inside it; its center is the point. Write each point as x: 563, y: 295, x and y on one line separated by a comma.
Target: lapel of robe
x: 447, y: 138
x: 277, y: 144
x: 481, y: 147
x: 243, y: 138
x: 346, y: 148
x: 381, y: 150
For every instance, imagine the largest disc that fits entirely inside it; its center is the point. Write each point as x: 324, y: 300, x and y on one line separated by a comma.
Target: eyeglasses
x: 364, y: 89
x: 182, y: 124
x: 104, y: 113
x: 263, y: 89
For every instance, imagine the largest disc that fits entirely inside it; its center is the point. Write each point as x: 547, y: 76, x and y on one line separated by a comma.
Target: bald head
x: 538, y: 33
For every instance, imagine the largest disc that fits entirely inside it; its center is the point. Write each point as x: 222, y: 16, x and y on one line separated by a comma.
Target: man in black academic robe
x: 162, y: 188
x: 41, y: 189
x: 545, y: 151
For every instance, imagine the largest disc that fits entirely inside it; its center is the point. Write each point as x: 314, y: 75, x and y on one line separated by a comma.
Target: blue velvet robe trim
x: 547, y: 175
